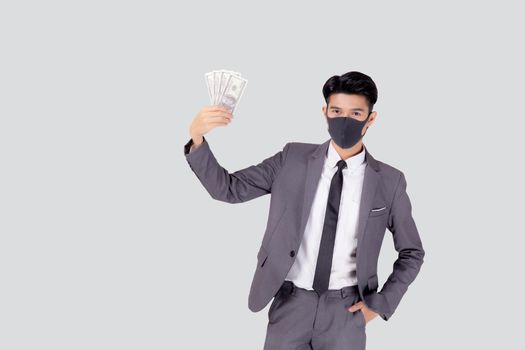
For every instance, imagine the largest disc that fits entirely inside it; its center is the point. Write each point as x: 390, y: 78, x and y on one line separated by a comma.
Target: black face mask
x: 346, y: 131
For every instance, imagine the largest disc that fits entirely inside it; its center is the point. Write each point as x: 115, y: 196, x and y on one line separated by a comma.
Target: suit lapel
x: 314, y: 168
x: 313, y: 173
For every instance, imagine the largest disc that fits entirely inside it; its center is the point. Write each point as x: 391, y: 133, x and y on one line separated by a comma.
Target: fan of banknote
x: 225, y: 88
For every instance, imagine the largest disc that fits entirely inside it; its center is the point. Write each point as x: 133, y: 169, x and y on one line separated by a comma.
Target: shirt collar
x: 332, y: 157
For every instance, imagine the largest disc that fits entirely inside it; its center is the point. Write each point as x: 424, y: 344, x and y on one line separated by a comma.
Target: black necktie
x: 326, y: 248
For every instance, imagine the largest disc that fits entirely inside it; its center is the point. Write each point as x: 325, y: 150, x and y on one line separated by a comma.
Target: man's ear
x: 324, y: 109
x: 370, y: 121
x: 373, y: 116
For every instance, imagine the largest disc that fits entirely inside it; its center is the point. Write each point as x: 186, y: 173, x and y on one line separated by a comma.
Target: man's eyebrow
x: 353, y: 109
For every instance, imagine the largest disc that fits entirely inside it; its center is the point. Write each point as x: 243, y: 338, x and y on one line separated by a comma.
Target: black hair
x: 352, y: 83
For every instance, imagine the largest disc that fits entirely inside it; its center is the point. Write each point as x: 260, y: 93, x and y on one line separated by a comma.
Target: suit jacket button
x: 292, y: 253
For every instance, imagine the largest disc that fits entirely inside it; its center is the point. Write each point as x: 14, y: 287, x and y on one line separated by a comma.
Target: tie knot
x: 341, y: 164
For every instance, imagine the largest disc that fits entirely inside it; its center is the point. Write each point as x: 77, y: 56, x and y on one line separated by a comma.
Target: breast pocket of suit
x: 376, y: 225
x: 378, y: 211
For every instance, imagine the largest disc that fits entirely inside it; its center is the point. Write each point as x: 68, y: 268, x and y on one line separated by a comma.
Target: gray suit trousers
x: 300, y: 319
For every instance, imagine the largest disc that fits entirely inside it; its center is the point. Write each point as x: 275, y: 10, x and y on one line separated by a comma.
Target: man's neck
x: 346, y: 153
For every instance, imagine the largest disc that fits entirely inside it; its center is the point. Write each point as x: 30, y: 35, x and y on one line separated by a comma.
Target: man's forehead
x: 341, y: 100
x: 352, y: 108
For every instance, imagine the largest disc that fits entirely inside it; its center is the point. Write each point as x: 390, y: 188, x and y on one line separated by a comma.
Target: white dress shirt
x: 343, y: 271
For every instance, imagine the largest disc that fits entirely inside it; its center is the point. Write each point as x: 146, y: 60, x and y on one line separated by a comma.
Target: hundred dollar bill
x: 214, y: 84
x: 223, y: 81
x: 209, y: 84
x: 232, y: 93
x: 225, y: 87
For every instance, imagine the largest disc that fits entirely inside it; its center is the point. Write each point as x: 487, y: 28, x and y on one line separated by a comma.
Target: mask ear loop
x: 366, y: 120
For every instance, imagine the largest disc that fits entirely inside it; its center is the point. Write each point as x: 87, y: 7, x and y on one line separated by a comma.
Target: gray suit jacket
x: 291, y: 176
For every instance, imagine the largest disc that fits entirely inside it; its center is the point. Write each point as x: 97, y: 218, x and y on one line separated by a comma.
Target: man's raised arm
x: 239, y: 186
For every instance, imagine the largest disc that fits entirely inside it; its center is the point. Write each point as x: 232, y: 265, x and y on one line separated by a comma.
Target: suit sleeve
x: 235, y: 187
x: 407, y: 243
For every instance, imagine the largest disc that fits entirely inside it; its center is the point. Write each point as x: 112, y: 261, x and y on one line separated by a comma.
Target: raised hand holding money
x: 208, y: 118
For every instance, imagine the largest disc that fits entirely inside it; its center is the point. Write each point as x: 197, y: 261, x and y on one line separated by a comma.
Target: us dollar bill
x: 225, y: 87
x: 210, y: 85
x: 232, y: 93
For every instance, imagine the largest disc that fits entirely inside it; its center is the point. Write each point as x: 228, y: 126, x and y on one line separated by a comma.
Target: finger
x: 356, y: 306
x: 217, y: 112
x: 215, y: 108
x: 216, y: 118
x: 221, y: 123
x: 224, y: 109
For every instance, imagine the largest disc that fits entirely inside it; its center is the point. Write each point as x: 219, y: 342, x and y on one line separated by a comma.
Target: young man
x: 331, y: 204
